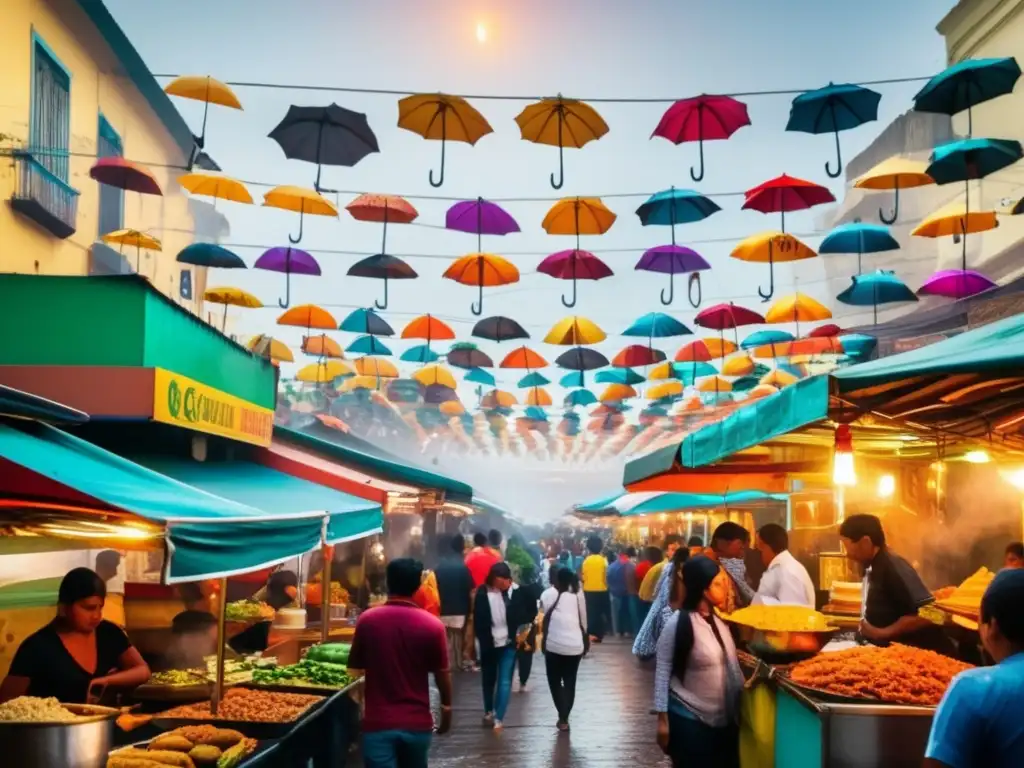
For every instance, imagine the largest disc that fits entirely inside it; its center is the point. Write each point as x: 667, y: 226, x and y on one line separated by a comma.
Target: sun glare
x: 481, y: 33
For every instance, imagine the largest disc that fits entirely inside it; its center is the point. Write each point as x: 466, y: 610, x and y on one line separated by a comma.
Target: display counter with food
x: 36, y: 731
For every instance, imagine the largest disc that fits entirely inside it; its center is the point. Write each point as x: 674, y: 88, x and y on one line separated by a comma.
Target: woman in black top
x: 77, y: 655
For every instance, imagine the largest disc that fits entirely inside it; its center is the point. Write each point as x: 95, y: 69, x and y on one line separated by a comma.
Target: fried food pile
x: 780, y: 618
x: 242, y: 704
x: 897, y: 674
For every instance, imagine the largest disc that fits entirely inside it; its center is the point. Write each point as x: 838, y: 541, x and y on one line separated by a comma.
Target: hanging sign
x: 187, y: 403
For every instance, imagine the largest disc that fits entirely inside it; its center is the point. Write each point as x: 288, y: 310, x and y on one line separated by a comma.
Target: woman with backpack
x: 565, y: 640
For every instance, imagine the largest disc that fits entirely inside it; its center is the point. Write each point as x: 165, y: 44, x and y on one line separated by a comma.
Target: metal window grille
x: 51, y: 105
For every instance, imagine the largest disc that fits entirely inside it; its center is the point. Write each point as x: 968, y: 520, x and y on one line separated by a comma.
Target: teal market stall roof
x: 206, y: 535
x: 22, y: 405
x: 652, y: 502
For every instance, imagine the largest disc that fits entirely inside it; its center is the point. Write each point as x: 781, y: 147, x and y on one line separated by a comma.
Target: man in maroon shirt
x: 399, y: 645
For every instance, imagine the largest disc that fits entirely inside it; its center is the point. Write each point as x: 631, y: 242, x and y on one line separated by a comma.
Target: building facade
x: 75, y: 89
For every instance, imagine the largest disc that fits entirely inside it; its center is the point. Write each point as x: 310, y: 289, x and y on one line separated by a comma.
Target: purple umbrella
x: 672, y: 260
x: 955, y: 284
x: 574, y: 265
x: 435, y: 394
x: 480, y: 217
x: 291, y: 261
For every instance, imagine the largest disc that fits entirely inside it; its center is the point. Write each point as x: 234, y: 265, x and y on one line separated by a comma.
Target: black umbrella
x: 581, y: 359
x: 499, y: 329
x: 468, y: 356
x: 383, y: 267
x: 329, y: 135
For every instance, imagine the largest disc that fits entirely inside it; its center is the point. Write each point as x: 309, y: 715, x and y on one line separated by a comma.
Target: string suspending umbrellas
x: 442, y: 117
x: 702, y: 118
x: 832, y: 109
x: 290, y: 261
x: 561, y: 122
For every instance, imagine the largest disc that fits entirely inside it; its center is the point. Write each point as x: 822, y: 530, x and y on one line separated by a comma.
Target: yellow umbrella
x: 539, y: 397
x: 271, y: 348
x: 797, y: 308
x: 443, y: 118
x: 777, y: 378
x: 717, y: 347
x: 561, y: 122
x: 215, y: 186
x: 737, y: 366
x: 322, y: 346
x: 662, y: 371
x: 300, y: 200
x: 231, y: 297
x: 613, y: 393
x: 761, y: 390
x: 772, y: 248
x: 578, y: 216
x: 207, y: 90
x: 435, y: 374
x: 670, y: 388
x: 360, y: 382
x: 715, y: 384
x: 451, y: 407
x: 325, y: 370
x: 955, y: 219
x: 375, y: 366
x: 132, y: 238
x: 896, y: 173
x: 574, y: 331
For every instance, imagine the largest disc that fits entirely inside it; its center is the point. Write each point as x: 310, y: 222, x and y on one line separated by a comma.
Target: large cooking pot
x: 81, y: 744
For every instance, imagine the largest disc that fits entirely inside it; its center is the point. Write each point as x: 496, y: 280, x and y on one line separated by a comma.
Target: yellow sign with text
x: 187, y: 403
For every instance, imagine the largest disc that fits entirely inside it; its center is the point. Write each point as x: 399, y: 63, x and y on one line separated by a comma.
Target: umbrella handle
x: 895, y: 207
x: 573, y: 302
x: 561, y: 162
x: 694, y: 175
x: 477, y: 307
x: 671, y: 290
x: 839, y: 157
x: 297, y: 240
x: 444, y: 137
x: 771, y: 277
x: 377, y: 304
x: 287, y: 281
x: 694, y: 280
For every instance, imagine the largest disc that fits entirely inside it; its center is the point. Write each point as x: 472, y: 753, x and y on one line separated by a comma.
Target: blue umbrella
x: 619, y: 376
x: 765, y: 338
x: 688, y: 372
x: 879, y: 287
x: 534, y: 379
x: 968, y: 159
x: 832, y: 109
x: 656, y: 325
x: 858, y: 346
x: 535, y: 413
x: 573, y: 379
x: 421, y: 353
x: 366, y: 321
x: 368, y: 345
x: 857, y: 237
x: 210, y: 255
x: 967, y: 84
x: 480, y: 376
x: 676, y: 206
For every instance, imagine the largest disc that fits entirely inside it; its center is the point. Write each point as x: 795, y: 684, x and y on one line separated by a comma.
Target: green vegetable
x: 233, y: 756
x: 333, y: 653
x: 306, y: 672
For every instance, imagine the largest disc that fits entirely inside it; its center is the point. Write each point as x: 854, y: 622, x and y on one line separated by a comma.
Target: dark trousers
x: 525, y: 660
x: 599, y: 613
x: 691, y: 742
x: 562, y: 681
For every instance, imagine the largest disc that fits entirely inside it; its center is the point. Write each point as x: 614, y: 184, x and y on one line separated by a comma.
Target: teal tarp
x: 651, y: 502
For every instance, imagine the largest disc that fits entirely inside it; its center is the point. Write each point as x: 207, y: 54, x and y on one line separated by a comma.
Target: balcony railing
x: 43, y: 197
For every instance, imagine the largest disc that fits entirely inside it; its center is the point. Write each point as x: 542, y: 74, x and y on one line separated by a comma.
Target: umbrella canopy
x: 765, y: 337
x: 308, y: 316
x: 482, y: 269
x: 685, y: 371
x: 363, y: 382
x: 330, y: 135
x: 126, y: 175
x: 722, y: 316
x: 203, y: 88
x: 428, y: 327
x: 714, y: 384
x: 705, y: 350
x: 761, y: 390
x: 871, y: 290
x: 539, y: 398
x: 403, y: 390
x: 523, y: 357
x: 581, y: 359
x: 573, y: 379
x: 675, y: 206
x: 561, y: 122
x: 451, y: 407
x: 299, y: 200
x: 368, y: 345
x: 421, y: 353
x: 234, y: 297
x: 771, y: 248
x: 966, y: 84
x: 614, y: 393
x: 579, y: 397
x: 466, y: 355
x: 967, y: 159
x: 784, y: 194
x: 216, y: 186
x: 444, y: 118
x: 895, y: 173
x: 702, y: 118
x: 637, y: 354
x: 955, y: 220
x: 498, y: 398
x: 480, y: 217
x: 533, y: 379
x: 382, y: 209
x: 779, y: 379
x: 574, y: 265
x: 956, y: 284
x: 435, y: 374
x: 857, y: 237
x: 499, y: 329
x: 578, y: 216
x: 656, y: 325
x: 366, y: 321
x: 134, y: 239
x: 619, y: 376
x: 209, y: 255
x: 323, y: 371
x: 289, y: 261
x: 270, y: 348
x: 322, y: 346
x: 832, y: 109
x: 797, y: 308
x: 667, y: 389
x: 383, y: 267
x: 375, y: 366
x: 737, y: 366
x: 673, y: 260
x: 480, y: 376
x: 825, y: 331
x: 575, y: 330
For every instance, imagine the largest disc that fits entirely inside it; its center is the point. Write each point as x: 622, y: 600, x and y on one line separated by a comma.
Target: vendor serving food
x: 78, y: 654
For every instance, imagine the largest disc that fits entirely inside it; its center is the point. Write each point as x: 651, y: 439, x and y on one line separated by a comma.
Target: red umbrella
x: 722, y: 316
x: 780, y: 195
x: 126, y: 175
x: 574, y: 265
x: 826, y: 330
x: 637, y: 354
x: 694, y: 352
x: 702, y: 118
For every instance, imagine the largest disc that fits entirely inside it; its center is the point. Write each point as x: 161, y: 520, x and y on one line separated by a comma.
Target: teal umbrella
x: 421, y: 353
x: 480, y: 376
x: 877, y: 288
x: 368, y: 345
x: 581, y: 397
x: 619, y: 376
x: 534, y: 379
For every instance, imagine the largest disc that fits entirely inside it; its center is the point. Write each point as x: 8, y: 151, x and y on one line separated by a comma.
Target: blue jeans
x: 496, y: 674
x: 623, y: 617
x: 396, y: 749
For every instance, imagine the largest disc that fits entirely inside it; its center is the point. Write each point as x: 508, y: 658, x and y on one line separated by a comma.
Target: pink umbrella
x: 826, y: 331
x: 722, y: 316
x: 956, y: 284
x: 574, y: 265
x: 126, y: 175
x: 702, y: 118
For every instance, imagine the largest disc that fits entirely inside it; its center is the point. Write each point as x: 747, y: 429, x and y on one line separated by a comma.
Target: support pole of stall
x: 222, y: 611
x: 325, y: 595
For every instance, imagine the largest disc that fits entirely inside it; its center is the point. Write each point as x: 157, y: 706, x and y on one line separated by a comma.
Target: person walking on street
x: 631, y: 603
x: 398, y: 647
x: 479, y: 561
x: 565, y: 641
x: 652, y: 555
x: 455, y: 585
x: 497, y: 642
x: 594, y: 575
x: 522, y: 617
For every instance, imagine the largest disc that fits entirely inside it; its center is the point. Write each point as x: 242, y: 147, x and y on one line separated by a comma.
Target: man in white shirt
x: 786, y: 582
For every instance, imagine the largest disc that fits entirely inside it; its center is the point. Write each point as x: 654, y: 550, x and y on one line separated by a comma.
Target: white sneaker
x: 523, y: 688
x: 497, y: 725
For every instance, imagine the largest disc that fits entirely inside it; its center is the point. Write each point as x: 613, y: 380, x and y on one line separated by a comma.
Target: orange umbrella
x: 523, y: 357
x: 429, y: 328
x: 382, y: 209
x: 482, y: 269
x: 563, y: 123
x: 778, y: 378
x: 761, y: 390
x: 321, y: 346
x: 797, y: 308
x: 771, y: 248
x: 714, y: 384
x: 439, y: 116
x: 636, y: 355
x: 614, y: 393
x: 538, y: 397
x: 309, y: 316
x: 451, y: 407
x: 498, y: 398
x: 737, y: 366
x: 578, y: 216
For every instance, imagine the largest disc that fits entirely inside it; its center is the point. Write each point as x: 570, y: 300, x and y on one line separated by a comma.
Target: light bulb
x: 886, y: 486
x: 842, y: 469
x: 977, y: 457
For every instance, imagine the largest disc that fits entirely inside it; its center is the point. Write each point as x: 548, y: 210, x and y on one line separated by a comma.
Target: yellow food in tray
x: 780, y: 618
x: 967, y: 597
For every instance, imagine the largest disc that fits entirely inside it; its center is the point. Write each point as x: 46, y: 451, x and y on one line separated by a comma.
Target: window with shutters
x: 50, y: 120
x: 108, y: 144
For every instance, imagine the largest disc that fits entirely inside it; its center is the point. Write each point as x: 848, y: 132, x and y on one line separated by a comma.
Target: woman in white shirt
x: 565, y: 619
x: 497, y: 642
x: 698, y: 680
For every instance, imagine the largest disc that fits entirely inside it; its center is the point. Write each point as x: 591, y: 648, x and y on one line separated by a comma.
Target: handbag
x: 526, y: 638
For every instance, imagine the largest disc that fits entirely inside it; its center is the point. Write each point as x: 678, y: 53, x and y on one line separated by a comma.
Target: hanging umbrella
x: 702, y: 118
x: 704, y: 350
x: 429, y: 328
x: 968, y: 159
x: 480, y: 217
x: 133, y: 239
x: 539, y: 398
x: 383, y: 267
x: 480, y: 376
x: 956, y: 220
x: 880, y: 287
x: 482, y: 269
x: 289, y: 261
x: 857, y: 237
x: 581, y: 359
x: 403, y: 390
x: 366, y: 321
x: 579, y: 397
x: 832, y: 109
x: 467, y: 355
x: 966, y: 84
x: 207, y: 90
x: 636, y: 355
x: 364, y: 383
x: 368, y: 345
x: 761, y: 390
x: 301, y: 201
x: 216, y: 186
x: 375, y: 366
x: 322, y: 346
x: 308, y: 316
x: 796, y: 308
x: 444, y: 118
x: 574, y: 265
x: 124, y: 174
x: 573, y: 331
x: 323, y: 371
x: 421, y: 353
x: 523, y: 357
x: 561, y: 122
x: 723, y: 316
x: 687, y: 372
x: 665, y: 390
x: 779, y: 379
x: 714, y: 384
x: 573, y: 379
x: 826, y: 331
x: 498, y: 398
x: 382, y: 209
x: 676, y: 206
x: 233, y: 297
x: 956, y: 284
x: 209, y: 255
x: 657, y: 325
x: 615, y: 393
x: 330, y: 135
x: 499, y: 329
x: 452, y: 407
x: 270, y: 348
x: 533, y: 379
x: 673, y: 260
x: 771, y: 248
x: 765, y: 337
x: 619, y: 376
x: 738, y: 366
x: 435, y: 374
x: 896, y: 173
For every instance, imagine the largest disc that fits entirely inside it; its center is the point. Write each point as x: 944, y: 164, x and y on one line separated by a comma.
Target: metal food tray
x: 254, y: 730
x: 311, y: 690
x: 173, y: 693
x: 827, y: 696
x: 261, y: 749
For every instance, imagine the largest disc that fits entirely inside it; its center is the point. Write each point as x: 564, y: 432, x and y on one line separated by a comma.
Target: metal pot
x: 81, y: 744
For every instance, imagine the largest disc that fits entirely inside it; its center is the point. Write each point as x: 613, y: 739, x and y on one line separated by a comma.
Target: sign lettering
x: 190, y: 404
